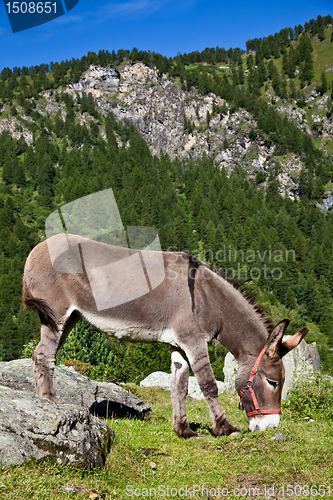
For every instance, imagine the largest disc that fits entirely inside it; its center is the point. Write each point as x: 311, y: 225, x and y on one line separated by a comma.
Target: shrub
x: 311, y: 398
x: 253, y: 134
x: 83, y: 368
x: 29, y: 348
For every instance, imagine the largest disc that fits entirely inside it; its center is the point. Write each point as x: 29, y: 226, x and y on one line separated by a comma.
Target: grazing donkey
x: 190, y: 306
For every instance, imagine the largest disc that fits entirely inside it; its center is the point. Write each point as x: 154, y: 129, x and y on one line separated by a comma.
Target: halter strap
x: 249, y: 387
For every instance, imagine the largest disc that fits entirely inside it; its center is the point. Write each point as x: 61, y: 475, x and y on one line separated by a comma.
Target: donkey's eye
x: 272, y: 383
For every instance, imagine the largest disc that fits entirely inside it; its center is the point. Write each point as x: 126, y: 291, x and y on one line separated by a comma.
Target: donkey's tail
x: 46, y: 315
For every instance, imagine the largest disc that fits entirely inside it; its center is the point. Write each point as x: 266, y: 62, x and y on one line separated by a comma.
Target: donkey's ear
x: 275, y: 338
x: 293, y: 342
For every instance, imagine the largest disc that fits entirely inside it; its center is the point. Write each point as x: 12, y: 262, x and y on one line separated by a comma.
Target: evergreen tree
x: 323, y: 86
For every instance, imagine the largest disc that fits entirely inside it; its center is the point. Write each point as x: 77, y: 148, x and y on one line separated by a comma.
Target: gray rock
x: 312, y: 96
x: 303, y: 361
x: 32, y: 427
x: 75, y: 389
x: 327, y: 203
x: 157, y: 379
x: 107, y: 78
x: 15, y: 128
x: 278, y: 436
x: 230, y: 369
x: 65, y: 431
x: 162, y: 380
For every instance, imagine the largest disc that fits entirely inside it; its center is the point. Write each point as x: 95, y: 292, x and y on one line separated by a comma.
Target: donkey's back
x: 131, y: 294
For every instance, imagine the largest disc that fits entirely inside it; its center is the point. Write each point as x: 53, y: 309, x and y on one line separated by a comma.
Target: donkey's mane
x: 250, y: 295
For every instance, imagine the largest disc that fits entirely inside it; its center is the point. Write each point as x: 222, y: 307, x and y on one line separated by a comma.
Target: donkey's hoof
x: 188, y: 433
x: 49, y: 396
x: 232, y: 430
x: 225, y: 430
x: 185, y: 432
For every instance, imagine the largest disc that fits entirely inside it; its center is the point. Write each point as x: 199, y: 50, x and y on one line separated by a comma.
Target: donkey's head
x: 260, y: 380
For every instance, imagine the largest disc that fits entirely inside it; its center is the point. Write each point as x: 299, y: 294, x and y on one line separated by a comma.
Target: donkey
x: 191, y: 306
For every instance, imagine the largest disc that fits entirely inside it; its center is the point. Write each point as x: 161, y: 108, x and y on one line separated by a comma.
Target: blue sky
x: 165, y: 26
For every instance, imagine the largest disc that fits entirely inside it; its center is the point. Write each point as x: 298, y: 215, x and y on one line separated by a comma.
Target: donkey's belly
x: 129, y: 330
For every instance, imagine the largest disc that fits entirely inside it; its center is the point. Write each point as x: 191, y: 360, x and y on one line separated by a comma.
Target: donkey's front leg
x: 200, y: 364
x: 44, y: 362
x: 179, y: 385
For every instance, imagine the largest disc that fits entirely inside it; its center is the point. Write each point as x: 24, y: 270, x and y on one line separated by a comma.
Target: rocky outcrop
x: 162, y: 380
x: 15, y: 129
x: 296, y: 115
x: 95, y: 77
x: 159, y: 109
x: 326, y: 203
x: 66, y: 431
x: 230, y: 370
x: 321, y: 117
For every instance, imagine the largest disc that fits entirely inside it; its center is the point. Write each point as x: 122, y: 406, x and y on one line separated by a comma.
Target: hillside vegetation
x: 243, y: 225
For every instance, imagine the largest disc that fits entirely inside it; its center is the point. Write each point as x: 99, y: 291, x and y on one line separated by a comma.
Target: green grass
x: 148, y: 454
x: 323, y: 57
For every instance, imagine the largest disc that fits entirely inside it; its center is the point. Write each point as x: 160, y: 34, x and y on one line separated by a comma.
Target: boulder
x: 65, y: 431
x: 301, y: 362
x: 157, y: 379
x: 100, y: 398
x: 162, y: 380
x: 32, y: 427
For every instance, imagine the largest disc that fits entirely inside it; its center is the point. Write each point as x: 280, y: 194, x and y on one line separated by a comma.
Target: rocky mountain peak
x: 182, y: 124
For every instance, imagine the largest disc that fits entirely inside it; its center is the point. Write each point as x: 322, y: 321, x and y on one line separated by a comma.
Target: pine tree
x: 2, y: 353
x: 241, y: 75
x: 290, y: 300
x: 321, y: 33
x: 323, y: 86
x: 292, y: 89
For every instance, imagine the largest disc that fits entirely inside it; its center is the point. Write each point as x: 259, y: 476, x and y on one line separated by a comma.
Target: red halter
x: 249, y: 387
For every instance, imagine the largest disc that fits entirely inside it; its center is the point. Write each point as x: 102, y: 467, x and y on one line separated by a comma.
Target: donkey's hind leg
x: 44, y: 362
x: 179, y: 384
x: 44, y: 356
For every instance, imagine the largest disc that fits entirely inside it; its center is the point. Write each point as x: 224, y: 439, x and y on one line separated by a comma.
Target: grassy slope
x: 322, y: 56
x: 250, y: 460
